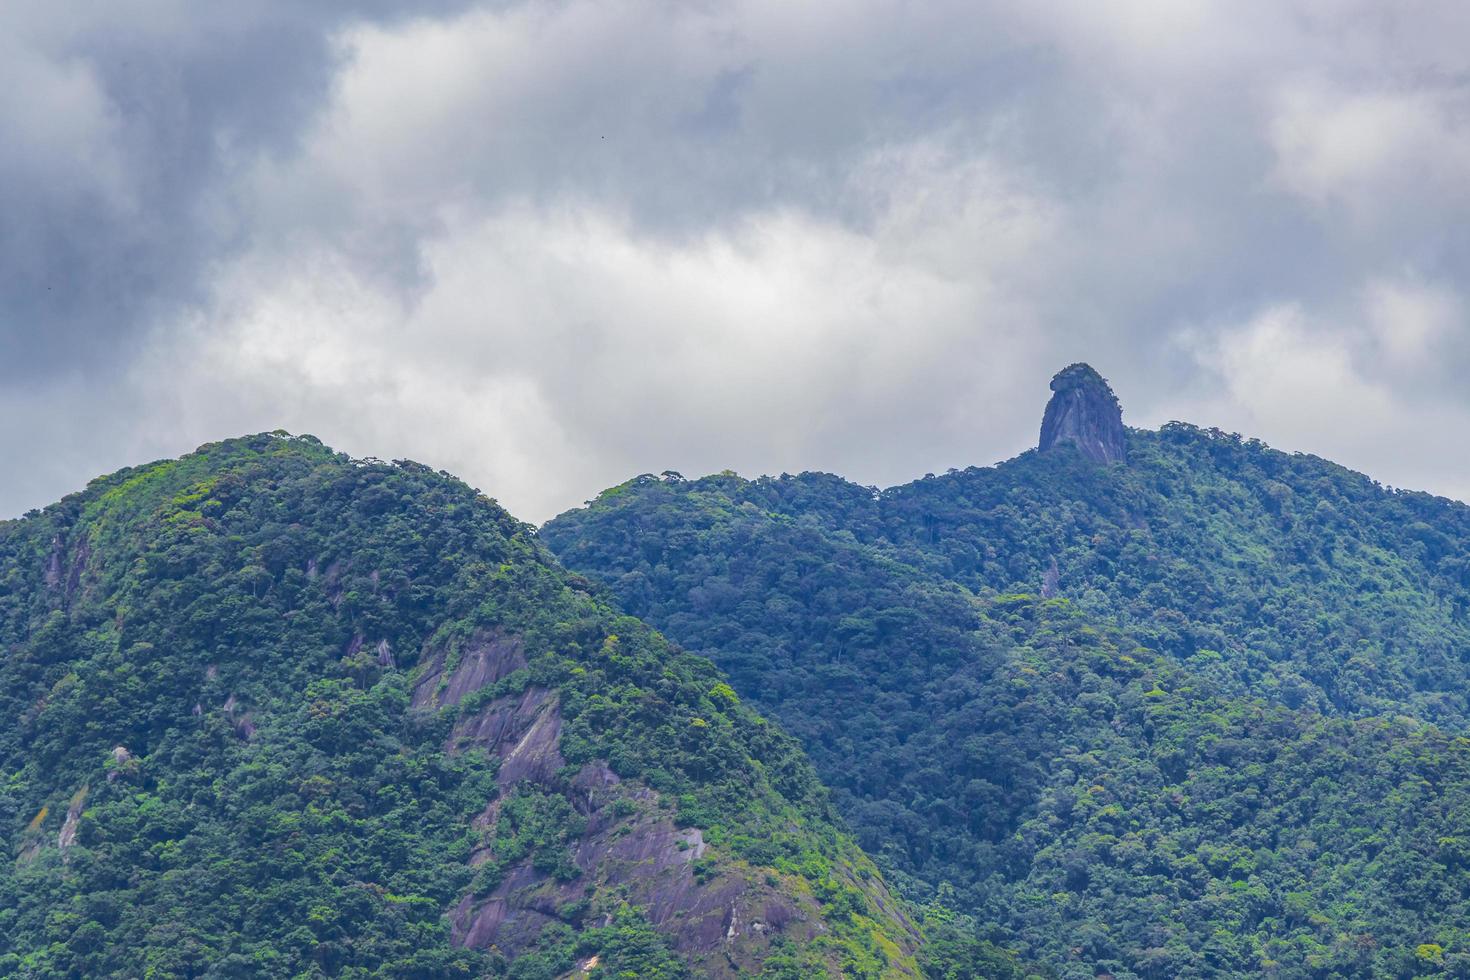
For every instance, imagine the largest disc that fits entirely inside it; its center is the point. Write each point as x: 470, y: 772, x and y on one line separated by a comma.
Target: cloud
x: 127, y: 130
x: 1414, y: 328
x: 1371, y: 151
x: 550, y: 245
x: 769, y: 342
x: 1348, y: 392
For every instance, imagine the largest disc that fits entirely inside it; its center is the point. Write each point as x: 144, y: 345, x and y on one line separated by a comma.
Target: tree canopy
x: 236, y: 741
x: 1199, y: 714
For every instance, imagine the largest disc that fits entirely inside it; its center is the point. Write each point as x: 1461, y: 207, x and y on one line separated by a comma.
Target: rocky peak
x: 1084, y: 411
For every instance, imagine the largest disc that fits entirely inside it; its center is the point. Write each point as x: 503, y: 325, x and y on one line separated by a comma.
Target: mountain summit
x: 1084, y: 411
x: 270, y: 711
x: 1222, y: 680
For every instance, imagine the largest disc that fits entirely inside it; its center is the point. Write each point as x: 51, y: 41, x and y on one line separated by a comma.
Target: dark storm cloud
x: 548, y: 245
x: 126, y: 126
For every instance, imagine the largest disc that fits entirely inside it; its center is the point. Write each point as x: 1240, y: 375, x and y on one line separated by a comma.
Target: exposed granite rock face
x: 722, y: 922
x: 640, y: 854
x: 522, y: 730
x: 487, y: 657
x: 1084, y: 411
x: 57, y: 576
x: 68, y: 835
x: 53, y: 563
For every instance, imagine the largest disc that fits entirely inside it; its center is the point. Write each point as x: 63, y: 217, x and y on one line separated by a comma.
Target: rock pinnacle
x: 1084, y: 411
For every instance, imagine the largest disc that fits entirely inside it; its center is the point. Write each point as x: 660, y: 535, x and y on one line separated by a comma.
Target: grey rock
x: 1084, y: 411
x: 68, y: 835
x: 489, y: 656
x: 723, y: 923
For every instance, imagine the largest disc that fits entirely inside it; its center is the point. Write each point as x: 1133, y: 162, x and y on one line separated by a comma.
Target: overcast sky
x: 551, y: 245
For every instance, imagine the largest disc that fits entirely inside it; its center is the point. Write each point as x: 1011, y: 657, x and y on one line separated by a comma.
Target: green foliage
x: 955, y: 951
x: 627, y: 948
x: 1198, y: 715
x: 207, y: 674
x: 541, y: 826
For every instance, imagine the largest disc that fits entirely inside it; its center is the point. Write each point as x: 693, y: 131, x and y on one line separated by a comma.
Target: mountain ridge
x: 1238, y: 643
x: 273, y: 710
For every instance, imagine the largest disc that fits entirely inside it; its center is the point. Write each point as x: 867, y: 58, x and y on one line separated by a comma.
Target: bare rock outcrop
x: 1084, y: 411
x: 522, y: 730
x: 57, y: 575
x: 488, y: 656
x: 723, y: 920
x: 53, y: 562
x: 68, y: 835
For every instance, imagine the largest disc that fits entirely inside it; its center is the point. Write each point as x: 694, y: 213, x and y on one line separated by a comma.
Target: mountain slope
x: 1195, y: 714
x: 1316, y: 585
x: 270, y: 711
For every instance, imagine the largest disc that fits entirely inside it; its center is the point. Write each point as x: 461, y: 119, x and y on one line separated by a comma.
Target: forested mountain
x: 268, y: 711
x: 1152, y: 704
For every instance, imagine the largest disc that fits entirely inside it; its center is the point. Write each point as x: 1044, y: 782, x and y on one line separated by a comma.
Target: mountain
x: 269, y: 711
x: 1142, y: 703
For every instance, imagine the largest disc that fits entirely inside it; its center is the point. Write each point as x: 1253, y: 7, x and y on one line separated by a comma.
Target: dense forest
x: 268, y: 711
x: 1198, y: 713
x: 1189, y: 707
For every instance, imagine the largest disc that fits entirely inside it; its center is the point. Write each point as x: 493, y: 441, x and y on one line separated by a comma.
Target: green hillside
x: 268, y: 711
x: 1195, y: 714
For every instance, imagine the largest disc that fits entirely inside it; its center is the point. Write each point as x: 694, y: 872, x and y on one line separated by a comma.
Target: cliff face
x: 1084, y: 411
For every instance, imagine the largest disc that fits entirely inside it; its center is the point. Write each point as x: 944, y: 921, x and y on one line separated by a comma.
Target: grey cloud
x: 548, y: 245
x: 126, y: 128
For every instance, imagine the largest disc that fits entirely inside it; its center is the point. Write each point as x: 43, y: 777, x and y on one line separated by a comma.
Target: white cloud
x: 550, y: 245
x: 1410, y: 321
x: 1308, y: 386
x: 557, y: 352
x: 1369, y: 151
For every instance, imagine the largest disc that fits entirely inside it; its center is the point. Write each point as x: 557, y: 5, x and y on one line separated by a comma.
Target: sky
x: 548, y: 246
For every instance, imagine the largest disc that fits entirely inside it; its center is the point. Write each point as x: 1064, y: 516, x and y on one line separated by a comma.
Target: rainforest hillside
x: 268, y: 711
x: 1155, y: 704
